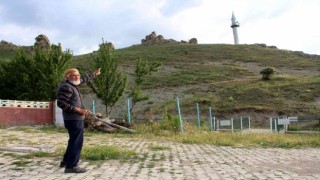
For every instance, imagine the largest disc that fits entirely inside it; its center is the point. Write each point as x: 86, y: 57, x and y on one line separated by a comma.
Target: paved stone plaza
x: 174, y: 161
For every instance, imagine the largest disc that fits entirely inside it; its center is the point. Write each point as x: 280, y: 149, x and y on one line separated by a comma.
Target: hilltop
x: 224, y: 77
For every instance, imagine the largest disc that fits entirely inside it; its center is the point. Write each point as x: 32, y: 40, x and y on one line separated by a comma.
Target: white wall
x: 58, y: 119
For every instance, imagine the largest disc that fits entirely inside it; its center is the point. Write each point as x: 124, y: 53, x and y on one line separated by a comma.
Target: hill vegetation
x: 224, y: 77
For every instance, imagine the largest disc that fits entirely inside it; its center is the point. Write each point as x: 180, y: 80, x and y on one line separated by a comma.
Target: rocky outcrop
x: 193, y: 41
x: 110, y: 45
x: 153, y: 39
x: 42, y: 42
x: 6, y: 44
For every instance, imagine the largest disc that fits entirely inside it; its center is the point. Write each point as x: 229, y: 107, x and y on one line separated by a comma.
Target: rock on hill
x: 7, y: 45
x: 41, y: 41
x: 153, y: 39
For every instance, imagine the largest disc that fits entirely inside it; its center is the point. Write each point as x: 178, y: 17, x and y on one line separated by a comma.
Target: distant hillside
x: 224, y: 77
x: 8, y: 50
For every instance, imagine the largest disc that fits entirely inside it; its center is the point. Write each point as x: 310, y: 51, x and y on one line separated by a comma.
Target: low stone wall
x: 25, y: 113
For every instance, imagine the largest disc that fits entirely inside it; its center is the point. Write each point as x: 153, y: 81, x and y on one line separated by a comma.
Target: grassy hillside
x: 6, y: 54
x: 224, y: 77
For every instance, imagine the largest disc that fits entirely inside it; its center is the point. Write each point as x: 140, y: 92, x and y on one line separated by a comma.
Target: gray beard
x: 76, y: 83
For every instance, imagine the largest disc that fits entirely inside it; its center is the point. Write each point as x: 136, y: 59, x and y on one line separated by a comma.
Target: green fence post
x: 198, y: 114
x: 180, y: 119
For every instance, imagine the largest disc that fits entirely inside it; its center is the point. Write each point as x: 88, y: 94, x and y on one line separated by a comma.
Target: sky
x: 80, y: 25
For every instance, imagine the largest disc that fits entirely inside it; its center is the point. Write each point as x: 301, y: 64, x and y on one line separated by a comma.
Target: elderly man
x: 73, y: 111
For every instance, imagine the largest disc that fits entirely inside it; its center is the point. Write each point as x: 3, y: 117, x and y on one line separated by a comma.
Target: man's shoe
x: 62, y: 164
x: 76, y: 169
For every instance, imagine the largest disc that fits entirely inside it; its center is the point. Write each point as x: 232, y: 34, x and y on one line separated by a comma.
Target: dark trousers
x: 72, y: 155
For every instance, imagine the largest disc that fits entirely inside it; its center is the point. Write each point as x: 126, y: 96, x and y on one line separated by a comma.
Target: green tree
x: 267, y: 73
x: 34, y: 76
x: 110, y: 84
x: 143, y: 68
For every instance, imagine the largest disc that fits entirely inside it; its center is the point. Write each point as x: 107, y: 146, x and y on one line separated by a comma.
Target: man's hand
x: 81, y: 111
x: 97, y: 72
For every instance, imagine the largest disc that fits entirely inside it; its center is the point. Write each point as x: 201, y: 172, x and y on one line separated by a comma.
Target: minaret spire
x: 234, y: 25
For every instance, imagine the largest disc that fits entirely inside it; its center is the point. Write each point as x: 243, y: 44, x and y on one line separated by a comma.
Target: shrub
x: 170, y: 123
x: 267, y: 73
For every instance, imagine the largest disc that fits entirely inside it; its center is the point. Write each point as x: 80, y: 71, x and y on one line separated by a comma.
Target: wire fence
x: 205, y: 116
x: 305, y: 125
x: 302, y: 124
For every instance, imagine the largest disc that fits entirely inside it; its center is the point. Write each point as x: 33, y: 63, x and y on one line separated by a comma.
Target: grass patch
x: 159, y: 148
x: 253, y: 140
x: 38, y: 154
x: 2, y: 127
x: 161, y: 170
x: 144, y: 157
x: 12, y: 138
x: 52, y: 129
x: 197, y: 74
x: 106, y: 153
x: 27, y: 129
x: 193, y: 135
x: 151, y: 165
x: 21, y: 163
x: 31, y: 155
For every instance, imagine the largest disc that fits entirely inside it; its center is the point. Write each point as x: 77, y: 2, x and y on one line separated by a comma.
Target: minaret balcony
x: 235, y: 25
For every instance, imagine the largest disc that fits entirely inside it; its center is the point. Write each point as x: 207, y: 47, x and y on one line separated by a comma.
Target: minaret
x: 234, y: 26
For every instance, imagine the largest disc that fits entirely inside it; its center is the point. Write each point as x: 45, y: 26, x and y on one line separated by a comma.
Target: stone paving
x: 173, y: 161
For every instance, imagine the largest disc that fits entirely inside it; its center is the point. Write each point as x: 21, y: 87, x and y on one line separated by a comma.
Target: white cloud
x: 80, y: 25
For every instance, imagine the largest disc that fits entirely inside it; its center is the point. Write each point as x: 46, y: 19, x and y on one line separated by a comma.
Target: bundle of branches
x: 107, y: 125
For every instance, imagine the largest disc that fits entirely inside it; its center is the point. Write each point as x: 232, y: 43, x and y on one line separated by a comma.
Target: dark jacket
x: 68, y: 97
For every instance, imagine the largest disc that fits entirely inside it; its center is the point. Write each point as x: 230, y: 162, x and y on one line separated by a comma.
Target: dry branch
x: 106, y: 125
